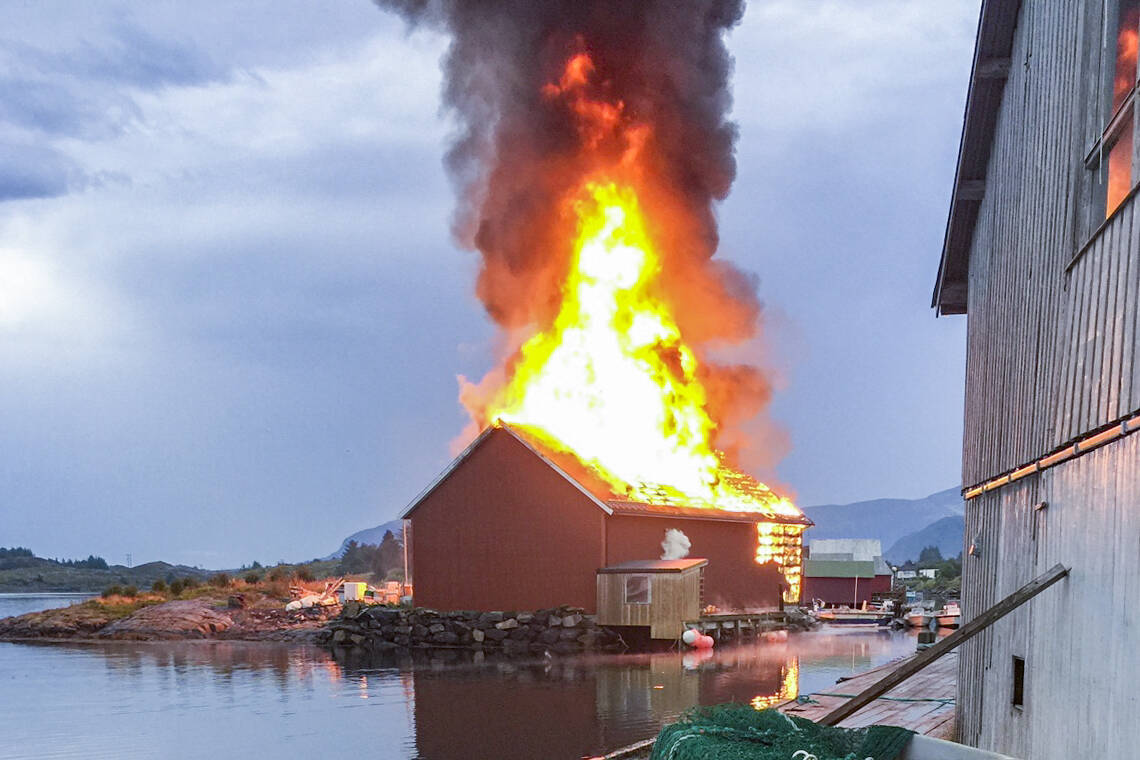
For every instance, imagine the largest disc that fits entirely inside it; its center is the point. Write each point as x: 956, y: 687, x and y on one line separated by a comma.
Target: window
x: 637, y: 589
x: 1018, y: 681
x: 1112, y: 154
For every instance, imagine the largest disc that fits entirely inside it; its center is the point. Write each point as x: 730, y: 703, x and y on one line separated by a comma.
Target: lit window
x: 637, y: 589
x: 1116, y: 141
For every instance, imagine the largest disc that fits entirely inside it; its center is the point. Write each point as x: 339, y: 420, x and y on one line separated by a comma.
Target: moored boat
x: 948, y: 616
x: 852, y: 616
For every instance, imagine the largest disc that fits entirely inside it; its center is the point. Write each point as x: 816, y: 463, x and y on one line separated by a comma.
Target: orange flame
x: 612, y: 379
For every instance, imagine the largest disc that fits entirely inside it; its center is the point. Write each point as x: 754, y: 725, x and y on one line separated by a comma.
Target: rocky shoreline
x: 560, y: 630
x: 224, y: 618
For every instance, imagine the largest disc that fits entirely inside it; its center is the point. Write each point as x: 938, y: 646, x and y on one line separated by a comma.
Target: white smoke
x: 676, y: 545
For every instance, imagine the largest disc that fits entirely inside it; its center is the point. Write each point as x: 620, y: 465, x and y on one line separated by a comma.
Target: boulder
x: 478, y: 636
x: 188, y: 619
x: 507, y: 624
x: 524, y: 617
x: 548, y: 636
x: 554, y: 621
x: 437, y: 628
x: 495, y: 634
x: 571, y: 621
x: 419, y: 631
x: 445, y: 637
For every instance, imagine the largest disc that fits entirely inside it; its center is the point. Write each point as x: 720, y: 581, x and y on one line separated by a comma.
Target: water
x: 21, y: 604
x: 225, y: 699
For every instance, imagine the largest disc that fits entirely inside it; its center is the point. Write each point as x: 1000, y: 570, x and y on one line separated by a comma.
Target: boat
x: 948, y: 616
x: 915, y: 617
x: 851, y: 616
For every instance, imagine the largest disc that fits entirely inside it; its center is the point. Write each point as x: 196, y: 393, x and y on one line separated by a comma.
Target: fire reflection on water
x: 423, y: 703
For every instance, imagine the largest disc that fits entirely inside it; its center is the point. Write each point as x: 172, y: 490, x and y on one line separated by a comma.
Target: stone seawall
x: 563, y: 630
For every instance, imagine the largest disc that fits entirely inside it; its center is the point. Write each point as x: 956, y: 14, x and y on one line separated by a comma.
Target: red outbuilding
x: 507, y: 527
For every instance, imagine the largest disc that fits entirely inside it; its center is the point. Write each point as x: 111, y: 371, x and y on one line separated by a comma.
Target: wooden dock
x: 726, y: 625
x: 924, y: 703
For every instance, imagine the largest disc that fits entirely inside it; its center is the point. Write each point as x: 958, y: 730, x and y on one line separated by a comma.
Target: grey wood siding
x: 1080, y: 638
x: 1049, y: 352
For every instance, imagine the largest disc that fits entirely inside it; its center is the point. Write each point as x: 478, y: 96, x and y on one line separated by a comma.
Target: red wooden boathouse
x: 506, y: 527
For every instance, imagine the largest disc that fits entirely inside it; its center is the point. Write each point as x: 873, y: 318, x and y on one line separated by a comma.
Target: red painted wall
x: 733, y: 580
x: 843, y: 591
x: 505, y: 531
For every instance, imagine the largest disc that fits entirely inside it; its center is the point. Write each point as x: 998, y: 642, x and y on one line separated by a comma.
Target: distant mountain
x: 947, y: 534
x: 371, y: 536
x: 888, y: 520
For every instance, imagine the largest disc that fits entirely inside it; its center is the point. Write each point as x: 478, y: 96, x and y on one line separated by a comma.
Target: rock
x: 571, y: 621
x: 445, y: 637
x: 549, y: 636
x: 357, y: 638
x: 568, y: 634
x: 419, y: 631
x: 495, y: 634
x: 508, y: 624
x: 489, y: 618
x: 236, y: 602
x: 477, y: 636
x: 402, y: 630
x: 339, y: 636
x: 521, y: 634
x: 553, y: 621
x: 351, y: 609
x: 437, y: 628
x: 524, y: 617
x: 589, y: 639
x: 193, y: 618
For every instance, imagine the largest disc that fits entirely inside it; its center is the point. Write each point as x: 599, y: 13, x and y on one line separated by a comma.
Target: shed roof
x: 582, y: 477
x: 653, y: 566
x: 992, y: 50
x: 837, y: 568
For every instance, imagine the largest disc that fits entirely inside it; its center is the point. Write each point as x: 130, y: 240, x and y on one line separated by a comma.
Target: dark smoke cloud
x: 519, y: 153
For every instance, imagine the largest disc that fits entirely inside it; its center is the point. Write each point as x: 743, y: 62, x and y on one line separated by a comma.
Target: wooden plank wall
x: 1050, y: 351
x: 1079, y: 638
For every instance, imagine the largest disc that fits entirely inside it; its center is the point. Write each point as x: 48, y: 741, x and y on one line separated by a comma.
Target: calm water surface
x: 218, y: 699
x: 21, y: 604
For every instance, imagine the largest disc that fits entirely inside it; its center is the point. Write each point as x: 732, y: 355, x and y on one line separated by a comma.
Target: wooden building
x: 1042, y: 251
x: 845, y: 581
x: 656, y: 594
x: 507, y: 527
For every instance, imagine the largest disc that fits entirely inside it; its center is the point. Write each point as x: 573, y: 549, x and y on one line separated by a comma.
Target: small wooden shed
x: 660, y: 594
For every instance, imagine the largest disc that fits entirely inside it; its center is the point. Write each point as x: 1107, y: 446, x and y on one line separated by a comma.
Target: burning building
x: 508, y: 527
x: 593, y: 146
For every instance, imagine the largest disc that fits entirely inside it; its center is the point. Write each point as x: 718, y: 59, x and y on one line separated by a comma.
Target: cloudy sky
x: 232, y: 316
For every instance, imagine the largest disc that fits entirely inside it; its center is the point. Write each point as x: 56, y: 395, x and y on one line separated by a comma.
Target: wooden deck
x: 930, y: 709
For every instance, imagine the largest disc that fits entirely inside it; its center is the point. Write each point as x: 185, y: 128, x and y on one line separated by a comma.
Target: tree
x: 930, y: 555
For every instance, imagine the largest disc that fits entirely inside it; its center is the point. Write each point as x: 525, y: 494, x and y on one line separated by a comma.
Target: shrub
x: 189, y: 582
x: 221, y: 580
x: 176, y: 586
x: 159, y: 586
x: 304, y: 573
x: 252, y: 578
x: 277, y: 574
x: 130, y: 591
x: 115, y: 590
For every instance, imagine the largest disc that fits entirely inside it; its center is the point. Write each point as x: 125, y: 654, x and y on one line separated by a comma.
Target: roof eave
x: 993, y: 46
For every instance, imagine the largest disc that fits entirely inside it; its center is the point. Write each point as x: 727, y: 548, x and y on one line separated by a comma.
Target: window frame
x: 647, y: 578
x: 1108, y: 126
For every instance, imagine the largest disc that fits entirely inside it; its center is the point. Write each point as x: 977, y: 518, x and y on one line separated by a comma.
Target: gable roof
x: 487, y: 433
x: 992, y: 49
x: 595, y: 489
x: 838, y: 568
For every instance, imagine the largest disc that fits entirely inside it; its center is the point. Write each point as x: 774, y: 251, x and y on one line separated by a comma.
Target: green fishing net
x: 739, y: 732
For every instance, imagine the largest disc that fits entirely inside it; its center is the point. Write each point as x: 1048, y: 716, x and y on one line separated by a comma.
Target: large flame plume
x: 594, y: 144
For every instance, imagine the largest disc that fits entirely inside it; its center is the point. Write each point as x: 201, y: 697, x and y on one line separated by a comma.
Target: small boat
x: 850, y: 616
x: 948, y: 616
x: 916, y: 617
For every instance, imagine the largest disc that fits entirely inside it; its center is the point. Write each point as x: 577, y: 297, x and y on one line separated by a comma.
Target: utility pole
x: 128, y: 559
